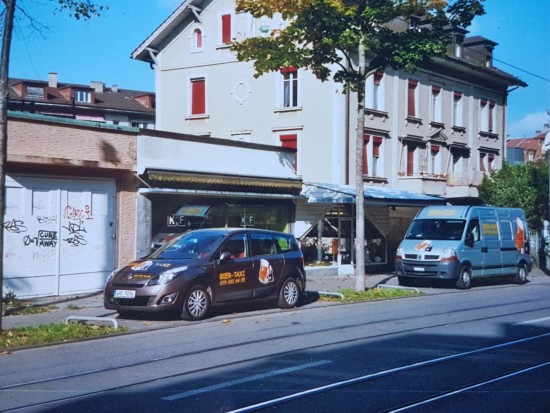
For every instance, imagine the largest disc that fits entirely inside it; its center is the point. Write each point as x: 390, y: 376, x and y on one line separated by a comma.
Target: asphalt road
x: 481, y: 350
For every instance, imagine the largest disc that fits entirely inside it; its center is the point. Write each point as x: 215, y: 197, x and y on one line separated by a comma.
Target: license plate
x: 419, y: 269
x: 124, y: 294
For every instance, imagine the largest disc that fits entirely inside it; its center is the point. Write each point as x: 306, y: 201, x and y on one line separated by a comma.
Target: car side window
x: 236, y: 246
x: 473, y: 228
x: 285, y: 243
x: 262, y: 244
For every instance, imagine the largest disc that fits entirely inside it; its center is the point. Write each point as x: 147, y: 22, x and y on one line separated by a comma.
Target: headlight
x: 399, y: 253
x: 112, y: 275
x: 167, y: 276
x: 449, y: 254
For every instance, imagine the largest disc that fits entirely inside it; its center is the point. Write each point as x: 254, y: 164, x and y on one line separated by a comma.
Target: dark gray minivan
x: 210, y: 267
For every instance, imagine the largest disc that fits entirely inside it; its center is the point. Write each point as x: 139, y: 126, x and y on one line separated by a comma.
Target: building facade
x: 93, y: 103
x: 428, y: 136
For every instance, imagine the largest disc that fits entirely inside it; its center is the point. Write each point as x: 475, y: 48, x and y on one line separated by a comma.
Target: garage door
x: 58, y: 235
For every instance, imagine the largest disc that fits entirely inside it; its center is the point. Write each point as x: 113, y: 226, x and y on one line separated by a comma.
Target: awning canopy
x: 321, y: 193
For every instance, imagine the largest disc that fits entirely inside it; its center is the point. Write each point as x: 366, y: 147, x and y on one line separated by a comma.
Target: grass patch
x: 30, y: 309
x: 52, y: 333
x: 353, y: 296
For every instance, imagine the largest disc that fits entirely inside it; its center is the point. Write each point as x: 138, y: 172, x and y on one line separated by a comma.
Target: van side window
x: 506, y: 230
x: 473, y: 228
x: 262, y: 244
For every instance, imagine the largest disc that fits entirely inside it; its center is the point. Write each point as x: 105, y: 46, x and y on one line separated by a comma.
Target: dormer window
x: 82, y: 96
x: 35, y: 92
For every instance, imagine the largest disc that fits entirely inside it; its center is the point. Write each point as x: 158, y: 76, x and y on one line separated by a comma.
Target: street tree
x: 78, y: 9
x: 346, y: 41
x: 519, y: 186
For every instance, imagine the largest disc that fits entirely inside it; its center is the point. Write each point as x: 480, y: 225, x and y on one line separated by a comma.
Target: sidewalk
x: 91, y: 305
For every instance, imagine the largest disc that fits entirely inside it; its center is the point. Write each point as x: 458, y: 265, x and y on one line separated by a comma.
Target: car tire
x: 289, y: 294
x: 521, y: 274
x: 196, y: 304
x: 464, y: 281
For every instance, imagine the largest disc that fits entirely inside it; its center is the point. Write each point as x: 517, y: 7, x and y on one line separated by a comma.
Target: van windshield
x: 436, y: 229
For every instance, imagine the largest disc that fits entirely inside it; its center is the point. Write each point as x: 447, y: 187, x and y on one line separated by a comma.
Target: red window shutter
x: 198, y: 39
x: 378, y: 77
x: 482, y: 162
x: 457, y: 95
x: 436, y: 89
x: 376, y: 142
x: 291, y: 141
x: 288, y: 69
x: 226, y: 28
x: 410, y: 159
x: 435, y: 149
x: 198, y: 98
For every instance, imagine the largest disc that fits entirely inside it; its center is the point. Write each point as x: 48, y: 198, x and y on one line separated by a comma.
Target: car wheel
x: 289, y: 295
x: 464, y: 278
x: 196, y: 304
x: 521, y: 274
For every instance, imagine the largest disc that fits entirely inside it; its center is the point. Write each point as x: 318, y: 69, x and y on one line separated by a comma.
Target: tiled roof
x: 109, y: 99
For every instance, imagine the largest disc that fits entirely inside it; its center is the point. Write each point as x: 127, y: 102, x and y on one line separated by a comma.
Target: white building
x: 429, y: 137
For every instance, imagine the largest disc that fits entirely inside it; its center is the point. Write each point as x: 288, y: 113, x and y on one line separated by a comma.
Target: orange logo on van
x: 423, y: 245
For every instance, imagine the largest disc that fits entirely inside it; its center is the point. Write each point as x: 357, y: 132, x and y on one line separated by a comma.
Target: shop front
x: 325, y: 224
x: 190, y: 183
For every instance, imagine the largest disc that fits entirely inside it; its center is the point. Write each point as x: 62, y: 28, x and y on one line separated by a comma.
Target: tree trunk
x: 4, y: 90
x: 359, y: 194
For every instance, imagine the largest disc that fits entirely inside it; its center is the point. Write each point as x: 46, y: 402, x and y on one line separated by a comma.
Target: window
x: 236, y: 246
x: 435, y: 105
x: 291, y: 141
x: 198, y: 96
x: 197, y: 39
x: 411, y: 157
x: 262, y: 244
x: 372, y: 163
x: 36, y: 92
x: 487, y: 114
x: 290, y: 87
x: 374, y: 93
x: 435, y: 160
x: 226, y: 28
x: 486, y: 161
x: 458, y: 163
x: 82, y: 96
x: 412, y: 98
x: 458, y: 109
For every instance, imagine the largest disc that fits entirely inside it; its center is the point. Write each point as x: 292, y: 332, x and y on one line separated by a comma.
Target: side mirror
x: 469, y: 241
x: 225, y: 256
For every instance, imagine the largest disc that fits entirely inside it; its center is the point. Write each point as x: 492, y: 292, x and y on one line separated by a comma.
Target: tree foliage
x: 519, y: 186
x: 400, y: 34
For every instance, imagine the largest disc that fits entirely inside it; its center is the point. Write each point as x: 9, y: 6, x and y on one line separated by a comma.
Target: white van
x: 464, y: 242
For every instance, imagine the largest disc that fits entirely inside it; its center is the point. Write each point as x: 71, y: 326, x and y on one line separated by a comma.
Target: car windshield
x: 436, y: 229
x: 190, y: 246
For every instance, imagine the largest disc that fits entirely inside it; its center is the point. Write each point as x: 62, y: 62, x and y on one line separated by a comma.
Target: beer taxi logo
x: 266, y: 272
x: 520, y: 235
x: 142, y: 266
x: 424, y: 245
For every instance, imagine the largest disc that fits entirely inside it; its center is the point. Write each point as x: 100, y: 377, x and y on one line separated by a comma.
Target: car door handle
x: 484, y: 249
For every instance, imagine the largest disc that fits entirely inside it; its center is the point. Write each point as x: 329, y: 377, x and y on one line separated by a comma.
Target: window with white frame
x: 457, y: 162
x: 36, y: 92
x: 225, y: 28
x: 435, y: 163
x: 374, y: 92
x: 486, y: 161
x: 458, y: 109
x: 487, y: 114
x: 289, y: 87
x: 373, y: 161
x: 412, y: 98
x: 412, y: 157
x: 436, y: 108
x: 82, y: 96
x: 197, y: 96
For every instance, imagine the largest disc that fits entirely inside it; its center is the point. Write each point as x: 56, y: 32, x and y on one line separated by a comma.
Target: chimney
x: 114, y: 88
x: 99, y: 87
x: 52, y: 80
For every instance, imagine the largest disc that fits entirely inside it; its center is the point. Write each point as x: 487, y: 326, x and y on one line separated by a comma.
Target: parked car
x: 461, y: 243
x: 210, y: 267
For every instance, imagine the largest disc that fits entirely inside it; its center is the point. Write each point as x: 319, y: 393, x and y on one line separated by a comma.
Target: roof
x: 374, y: 195
x: 113, y: 98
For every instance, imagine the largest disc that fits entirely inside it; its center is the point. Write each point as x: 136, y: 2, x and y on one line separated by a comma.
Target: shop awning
x: 321, y: 193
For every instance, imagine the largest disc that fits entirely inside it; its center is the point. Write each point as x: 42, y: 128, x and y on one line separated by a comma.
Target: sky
x: 100, y: 49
